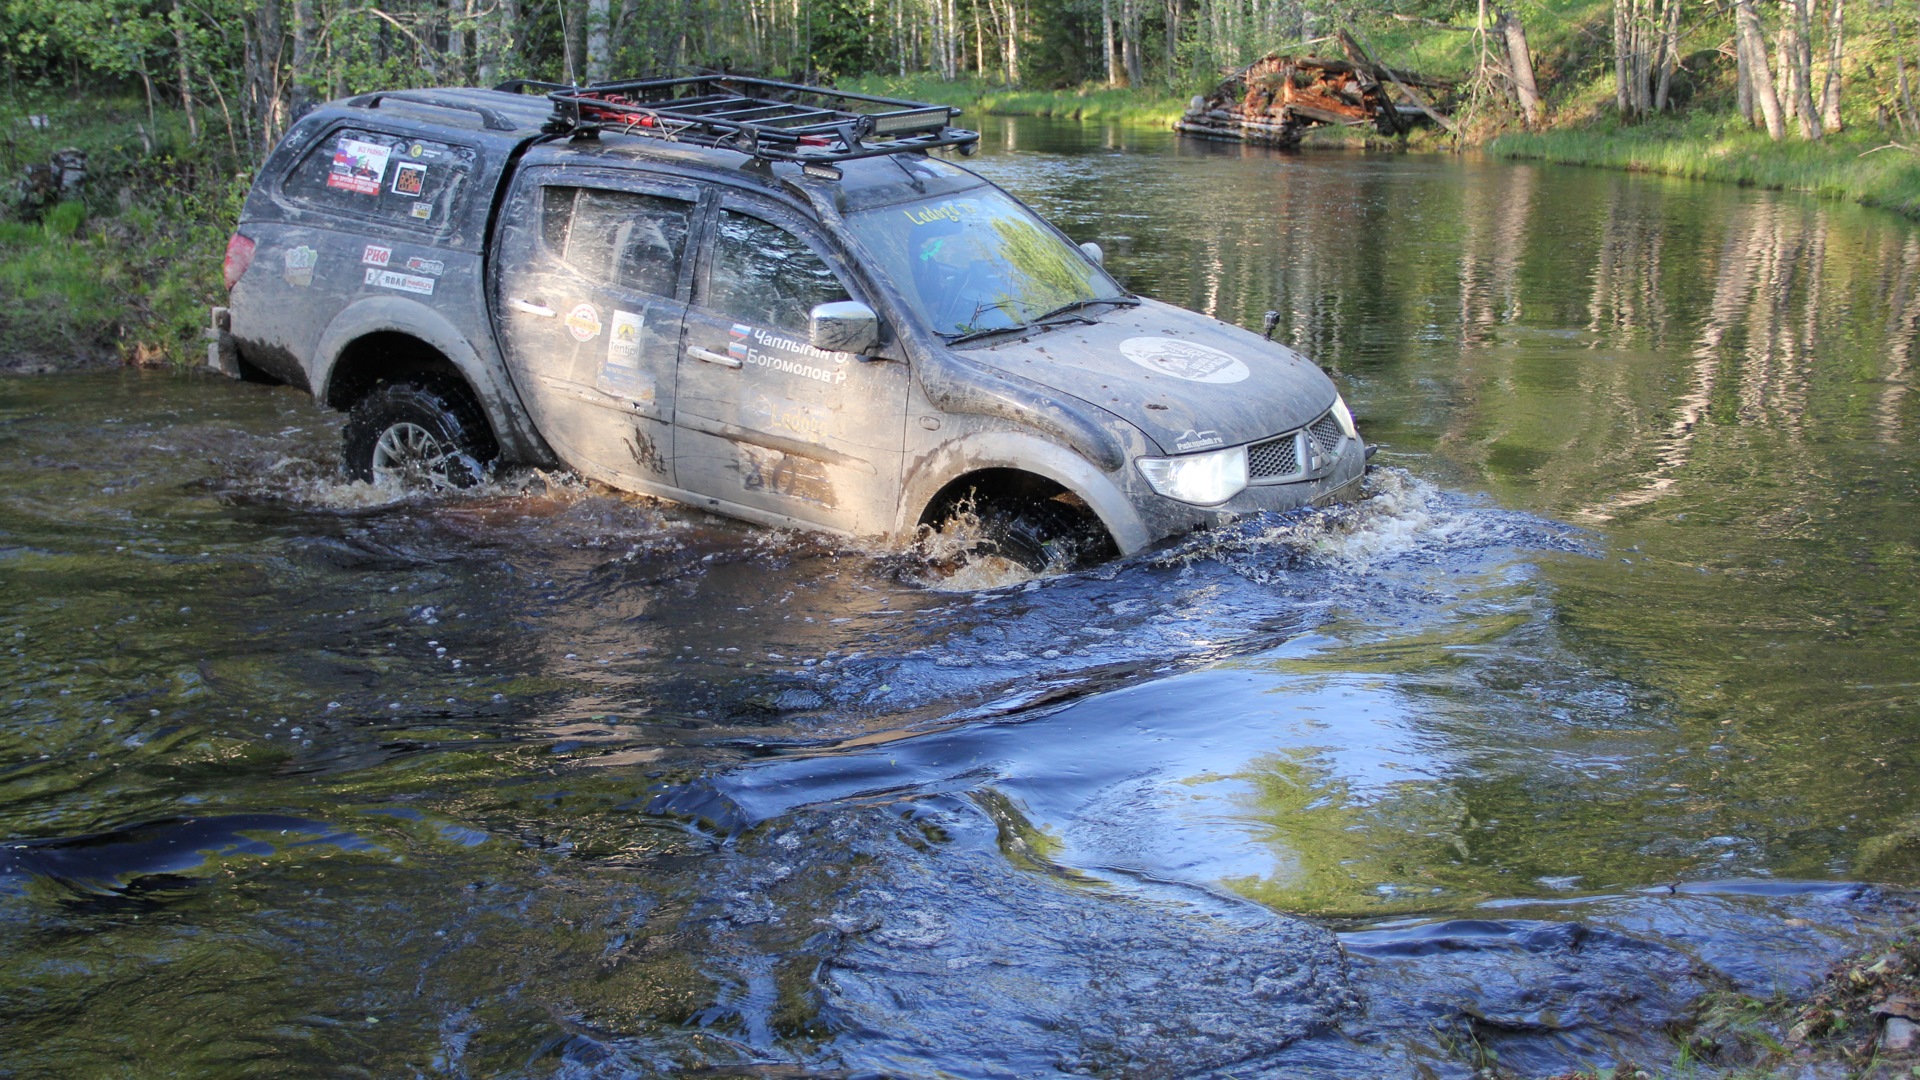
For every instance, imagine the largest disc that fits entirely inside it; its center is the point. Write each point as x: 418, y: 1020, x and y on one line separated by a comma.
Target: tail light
x: 239, y: 257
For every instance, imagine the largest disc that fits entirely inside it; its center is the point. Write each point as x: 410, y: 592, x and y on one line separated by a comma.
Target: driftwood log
x: 1275, y: 100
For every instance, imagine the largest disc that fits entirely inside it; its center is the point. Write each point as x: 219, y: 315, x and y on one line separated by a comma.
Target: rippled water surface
x: 1601, y: 700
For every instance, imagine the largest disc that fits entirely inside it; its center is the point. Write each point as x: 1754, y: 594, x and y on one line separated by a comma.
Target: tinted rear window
x: 410, y: 182
x: 619, y: 238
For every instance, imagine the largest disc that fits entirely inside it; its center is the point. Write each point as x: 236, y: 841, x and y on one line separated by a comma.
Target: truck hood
x: 1188, y: 381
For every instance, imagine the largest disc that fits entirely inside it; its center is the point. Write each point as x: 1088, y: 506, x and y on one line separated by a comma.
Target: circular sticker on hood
x: 1184, y: 360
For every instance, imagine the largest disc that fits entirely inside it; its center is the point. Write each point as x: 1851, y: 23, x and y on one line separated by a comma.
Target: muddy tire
x: 1041, y: 534
x: 424, y: 434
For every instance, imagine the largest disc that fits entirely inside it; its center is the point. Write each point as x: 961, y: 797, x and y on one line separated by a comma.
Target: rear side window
x: 385, y: 177
x: 619, y: 238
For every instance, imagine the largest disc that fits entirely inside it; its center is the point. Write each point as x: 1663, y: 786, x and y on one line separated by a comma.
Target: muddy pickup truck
x: 765, y: 300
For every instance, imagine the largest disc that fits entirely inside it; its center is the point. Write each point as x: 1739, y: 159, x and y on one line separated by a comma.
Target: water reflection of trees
x: 1577, y: 335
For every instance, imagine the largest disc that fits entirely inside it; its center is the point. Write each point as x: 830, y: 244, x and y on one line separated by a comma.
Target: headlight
x: 1345, y: 416
x: 1203, y: 479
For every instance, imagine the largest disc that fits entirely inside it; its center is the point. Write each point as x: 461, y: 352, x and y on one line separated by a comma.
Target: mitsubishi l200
x: 766, y: 300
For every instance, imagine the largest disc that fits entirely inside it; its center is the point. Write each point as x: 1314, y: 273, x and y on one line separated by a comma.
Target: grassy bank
x: 125, y: 268
x: 1862, y: 167
x: 1157, y: 108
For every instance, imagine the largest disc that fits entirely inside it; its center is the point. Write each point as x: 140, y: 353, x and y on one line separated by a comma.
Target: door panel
x: 592, y: 287
x: 764, y: 419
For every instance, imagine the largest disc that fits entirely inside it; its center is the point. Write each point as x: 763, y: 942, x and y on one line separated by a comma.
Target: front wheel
x: 1036, y: 533
x: 417, y: 435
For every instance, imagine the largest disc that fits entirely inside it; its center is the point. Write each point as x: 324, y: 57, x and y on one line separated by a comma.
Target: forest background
x: 174, y: 101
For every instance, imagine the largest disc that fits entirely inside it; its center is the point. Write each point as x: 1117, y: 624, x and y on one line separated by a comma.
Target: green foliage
x: 63, y: 221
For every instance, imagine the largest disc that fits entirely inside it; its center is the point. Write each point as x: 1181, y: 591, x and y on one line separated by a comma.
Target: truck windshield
x: 978, y: 261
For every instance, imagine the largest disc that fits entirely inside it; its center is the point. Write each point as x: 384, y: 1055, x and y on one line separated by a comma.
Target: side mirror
x: 844, y: 326
x: 1093, y: 251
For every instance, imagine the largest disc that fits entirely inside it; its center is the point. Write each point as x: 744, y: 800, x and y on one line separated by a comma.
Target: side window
x: 372, y: 174
x: 617, y: 238
x: 765, y: 275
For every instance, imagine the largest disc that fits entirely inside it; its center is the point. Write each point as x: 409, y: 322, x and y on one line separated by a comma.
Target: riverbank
x: 1870, y: 167
x: 123, y: 268
x: 979, y: 97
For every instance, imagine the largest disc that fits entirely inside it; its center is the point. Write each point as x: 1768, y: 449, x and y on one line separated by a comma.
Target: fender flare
x: 497, y: 396
x: 1022, y: 452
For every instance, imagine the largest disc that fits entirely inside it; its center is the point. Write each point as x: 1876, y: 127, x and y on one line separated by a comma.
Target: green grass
x: 128, y: 270
x: 1093, y: 102
x: 1860, y: 167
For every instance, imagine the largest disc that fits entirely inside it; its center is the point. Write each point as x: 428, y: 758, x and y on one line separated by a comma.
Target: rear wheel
x: 426, y: 434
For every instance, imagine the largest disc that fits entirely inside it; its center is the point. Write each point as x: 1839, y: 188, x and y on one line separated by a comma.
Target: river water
x: 1600, y: 703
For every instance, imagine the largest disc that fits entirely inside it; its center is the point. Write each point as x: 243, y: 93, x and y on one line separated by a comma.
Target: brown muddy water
x: 1602, y: 701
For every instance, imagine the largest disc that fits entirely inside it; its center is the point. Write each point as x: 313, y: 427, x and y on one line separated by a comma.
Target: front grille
x: 1326, y: 435
x: 1275, y: 457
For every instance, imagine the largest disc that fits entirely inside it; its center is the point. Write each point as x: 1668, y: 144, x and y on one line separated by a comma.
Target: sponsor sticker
x: 808, y: 421
x: 423, y: 211
x: 955, y: 212
x: 394, y: 279
x: 375, y: 255
x: 623, y: 343
x: 416, y: 150
x: 621, y: 375
x: 1184, y: 360
x: 583, y: 322
x: 409, y: 179
x: 300, y: 261
x: 418, y: 265
x: 358, y: 166
x: 764, y: 348
x: 1197, y: 440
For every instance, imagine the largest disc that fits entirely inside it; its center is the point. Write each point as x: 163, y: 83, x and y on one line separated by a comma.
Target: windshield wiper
x: 1068, y: 308
x: 1072, y: 306
x: 976, y: 335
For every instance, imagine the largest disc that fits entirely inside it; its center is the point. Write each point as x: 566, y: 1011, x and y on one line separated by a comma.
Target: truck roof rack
x: 767, y: 120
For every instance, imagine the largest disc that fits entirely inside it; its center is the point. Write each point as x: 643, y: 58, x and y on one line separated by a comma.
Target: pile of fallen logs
x: 1276, y: 99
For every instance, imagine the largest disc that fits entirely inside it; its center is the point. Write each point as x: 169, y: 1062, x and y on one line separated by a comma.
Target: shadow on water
x: 1598, y: 703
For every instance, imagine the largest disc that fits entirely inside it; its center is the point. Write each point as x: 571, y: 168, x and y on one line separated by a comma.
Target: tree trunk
x: 1669, y: 55
x: 599, y: 21
x: 1642, y: 59
x: 456, y: 52
x: 302, y: 62
x: 1749, y: 24
x: 1521, y: 60
x: 1743, y: 76
x: 182, y: 63
x: 1130, y: 42
x: 1802, y: 81
x: 1106, y: 40
x: 1783, y: 70
x: 1013, y: 44
x: 1622, y: 51
x: 1830, y: 94
x: 1907, y: 118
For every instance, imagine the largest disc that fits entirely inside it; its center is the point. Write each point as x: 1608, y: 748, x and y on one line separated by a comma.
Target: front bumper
x: 1166, y: 517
